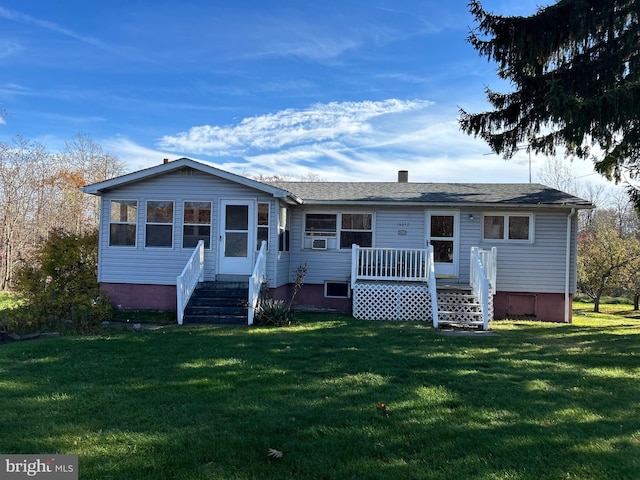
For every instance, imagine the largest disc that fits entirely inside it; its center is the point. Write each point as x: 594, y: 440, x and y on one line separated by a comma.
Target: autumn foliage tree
x: 604, y: 259
x: 39, y: 193
x: 575, y: 69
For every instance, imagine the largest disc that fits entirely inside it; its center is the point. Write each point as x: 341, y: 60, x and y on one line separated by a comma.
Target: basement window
x: 337, y: 290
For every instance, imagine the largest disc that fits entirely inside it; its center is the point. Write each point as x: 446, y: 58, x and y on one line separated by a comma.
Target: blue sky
x: 340, y: 89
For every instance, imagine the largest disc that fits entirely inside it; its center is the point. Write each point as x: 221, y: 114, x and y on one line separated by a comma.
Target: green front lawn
x: 537, y: 401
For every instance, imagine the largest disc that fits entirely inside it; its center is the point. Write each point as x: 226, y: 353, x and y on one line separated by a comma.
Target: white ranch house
x: 188, y: 237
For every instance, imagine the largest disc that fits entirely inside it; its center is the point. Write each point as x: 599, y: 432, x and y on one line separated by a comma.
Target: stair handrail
x: 192, y: 273
x: 258, y: 277
x: 488, y: 258
x: 433, y: 291
x: 479, y: 281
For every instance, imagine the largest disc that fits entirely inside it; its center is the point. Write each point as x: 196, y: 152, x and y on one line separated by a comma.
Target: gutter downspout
x: 567, y: 276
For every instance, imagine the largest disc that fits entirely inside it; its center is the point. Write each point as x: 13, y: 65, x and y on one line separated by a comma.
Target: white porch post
x: 354, y: 264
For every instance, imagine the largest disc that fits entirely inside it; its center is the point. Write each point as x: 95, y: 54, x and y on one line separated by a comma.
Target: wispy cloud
x: 135, y: 156
x: 23, y: 18
x: 287, y: 128
x: 9, y: 48
x: 349, y: 141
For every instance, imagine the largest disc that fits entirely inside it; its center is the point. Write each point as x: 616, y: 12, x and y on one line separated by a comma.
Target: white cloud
x: 349, y: 141
x: 316, y: 124
x: 135, y: 156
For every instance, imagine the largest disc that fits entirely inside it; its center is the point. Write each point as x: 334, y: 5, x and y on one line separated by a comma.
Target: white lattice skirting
x: 391, y: 302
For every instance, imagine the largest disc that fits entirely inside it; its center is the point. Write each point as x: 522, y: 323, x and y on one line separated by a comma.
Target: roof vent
x: 165, y: 161
x: 403, y: 176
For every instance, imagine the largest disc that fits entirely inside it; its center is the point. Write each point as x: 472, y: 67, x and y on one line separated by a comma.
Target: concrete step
x: 215, y: 319
x: 218, y: 303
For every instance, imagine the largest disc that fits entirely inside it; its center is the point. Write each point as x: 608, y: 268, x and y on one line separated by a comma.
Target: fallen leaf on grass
x: 273, y: 453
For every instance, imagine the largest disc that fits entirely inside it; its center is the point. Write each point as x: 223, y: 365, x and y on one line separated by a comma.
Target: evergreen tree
x: 575, y: 66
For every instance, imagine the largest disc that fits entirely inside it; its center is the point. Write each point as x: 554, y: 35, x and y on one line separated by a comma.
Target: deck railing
x: 396, y: 265
x: 258, y: 277
x: 407, y: 265
x: 186, y: 282
x: 482, y: 278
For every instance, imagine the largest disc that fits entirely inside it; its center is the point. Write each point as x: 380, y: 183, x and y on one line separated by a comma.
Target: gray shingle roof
x: 440, y: 194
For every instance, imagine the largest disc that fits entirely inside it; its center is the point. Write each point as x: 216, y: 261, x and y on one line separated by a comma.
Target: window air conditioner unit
x: 319, y: 244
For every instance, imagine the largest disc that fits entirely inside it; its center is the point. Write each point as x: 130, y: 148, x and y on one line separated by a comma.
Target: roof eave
x: 449, y: 205
x: 107, y: 185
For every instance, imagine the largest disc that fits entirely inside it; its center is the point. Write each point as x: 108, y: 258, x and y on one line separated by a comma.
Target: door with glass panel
x: 443, y: 235
x: 237, y: 237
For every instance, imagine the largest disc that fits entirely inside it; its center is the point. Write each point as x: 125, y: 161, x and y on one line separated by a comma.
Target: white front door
x: 443, y: 234
x: 237, y: 237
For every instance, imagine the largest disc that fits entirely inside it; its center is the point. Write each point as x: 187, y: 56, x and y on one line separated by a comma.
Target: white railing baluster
x: 430, y: 273
x: 186, y: 282
x: 258, y: 277
x: 389, y: 264
x: 482, y: 277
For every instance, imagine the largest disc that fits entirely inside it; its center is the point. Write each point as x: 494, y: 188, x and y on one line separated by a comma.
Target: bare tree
x: 84, y: 162
x: 39, y: 192
x: 557, y: 174
x: 21, y: 164
x: 627, y: 221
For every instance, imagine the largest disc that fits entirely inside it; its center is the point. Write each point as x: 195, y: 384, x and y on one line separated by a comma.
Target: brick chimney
x: 165, y: 161
x: 403, y: 176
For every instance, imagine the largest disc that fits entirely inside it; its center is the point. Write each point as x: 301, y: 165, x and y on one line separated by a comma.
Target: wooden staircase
x: 458, y: 306
x: 220, y: 302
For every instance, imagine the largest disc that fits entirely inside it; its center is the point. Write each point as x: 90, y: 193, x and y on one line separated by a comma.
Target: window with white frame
x: 508, y: 227
x: 283, y: 230
x: 320, y: 225
x: 262, y: 232
x: 159, y: 226
x: 196, y: 224
x: 122, y: 224
x: 356, y: 228
x: 338, y: 230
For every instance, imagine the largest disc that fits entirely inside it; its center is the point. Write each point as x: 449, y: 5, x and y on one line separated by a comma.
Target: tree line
x: 608, y: 236
x: 40, y: 193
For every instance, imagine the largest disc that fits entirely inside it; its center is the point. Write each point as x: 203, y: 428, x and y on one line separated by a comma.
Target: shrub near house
x: 60, y: 290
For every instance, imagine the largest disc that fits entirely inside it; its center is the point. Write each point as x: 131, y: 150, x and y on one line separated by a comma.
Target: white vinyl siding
x: 522, y: 266
x: 161, y: 266
x: 332, y: 264
x: 396, y: 228
x: 534, y: 267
